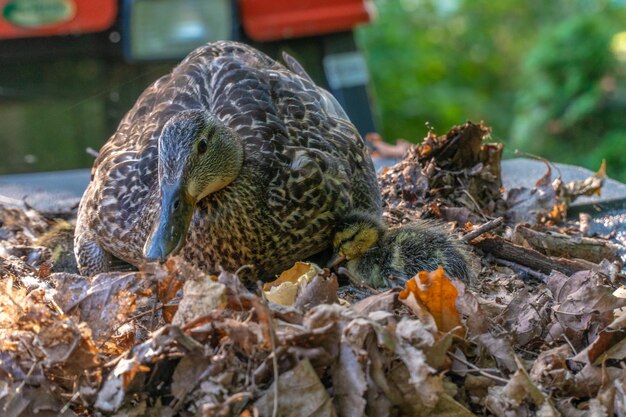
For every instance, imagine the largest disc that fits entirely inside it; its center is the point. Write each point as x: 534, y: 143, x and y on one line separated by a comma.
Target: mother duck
x: 231, y: 159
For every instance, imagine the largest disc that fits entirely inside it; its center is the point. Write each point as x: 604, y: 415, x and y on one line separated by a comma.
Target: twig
x: 154, y: 307
x: 517, y: 267
x: 270, y: 323
x: 570, y: 344
x: 478, y: 208
x: 477, y: 369
x: 69, y: 402
x: 484, y: 228
x: 18, y: 390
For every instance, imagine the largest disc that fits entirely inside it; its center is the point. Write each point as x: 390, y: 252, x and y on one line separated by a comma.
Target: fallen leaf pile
x: 539, y: 332
x: 455, y: 176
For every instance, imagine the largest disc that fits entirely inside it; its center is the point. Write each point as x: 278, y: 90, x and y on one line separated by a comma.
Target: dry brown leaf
x: 434, y: 292
x: 616, y: 352
x: 449, y: 407
x: 300, y: 394
x: 293, y: 274
x: 187, y: 375
x: 527, y: 315
x: 138, y: 361
x: 516, y: 394
x: 109, y: 301
x: 550, y: 369
x: 385, y: 301
x: 596, y: 349
x: 321, y: 289
x: 587, y: 187
x: 285, y: 288
x: 200, y: 297
x: 500, y: 349
x: 168, y: 286
x: 534, y: 205
x: 349, y: 383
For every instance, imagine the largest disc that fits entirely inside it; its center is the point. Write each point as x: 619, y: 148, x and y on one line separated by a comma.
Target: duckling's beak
x: 170, y: 231
x: 336, y: 260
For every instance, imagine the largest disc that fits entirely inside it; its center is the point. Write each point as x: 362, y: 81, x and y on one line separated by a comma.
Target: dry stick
x: 483, y: 228
x: 504, y: 249
x: 20, y: 387
x: 477, y: 369
x: 270, y: 323
x: 520, y: 268
x: 69, y: 402
x: 570, y: 344
x: 154, y: 306
x: 479, y: 209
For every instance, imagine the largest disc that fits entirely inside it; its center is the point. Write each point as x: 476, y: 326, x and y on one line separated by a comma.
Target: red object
x: 267, y: 20
x: 21, y: 19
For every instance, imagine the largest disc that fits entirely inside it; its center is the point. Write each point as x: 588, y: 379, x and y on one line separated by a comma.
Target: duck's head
x: 356, y: 234
x: 198, y: 155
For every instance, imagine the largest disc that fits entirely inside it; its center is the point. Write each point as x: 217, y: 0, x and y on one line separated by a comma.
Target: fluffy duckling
x: 60, y: 240
x: 378, y: 257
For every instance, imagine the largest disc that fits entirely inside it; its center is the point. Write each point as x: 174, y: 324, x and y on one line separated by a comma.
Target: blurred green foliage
x: 51, y: 110
x: 547, y: 76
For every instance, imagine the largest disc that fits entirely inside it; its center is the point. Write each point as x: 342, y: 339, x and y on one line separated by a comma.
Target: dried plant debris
x: 539, y: 332
x: 549, y: 199
x: 455, y: 176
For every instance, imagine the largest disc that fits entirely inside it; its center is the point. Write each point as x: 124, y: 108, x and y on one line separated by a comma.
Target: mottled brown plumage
x: 303, y: 167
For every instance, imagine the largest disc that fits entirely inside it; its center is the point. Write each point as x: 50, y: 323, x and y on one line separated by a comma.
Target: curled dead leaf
x: 433, y: 293
x: 285, y: 288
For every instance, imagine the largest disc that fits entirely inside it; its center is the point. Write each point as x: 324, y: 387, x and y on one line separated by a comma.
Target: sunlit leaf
x: 434, y: 292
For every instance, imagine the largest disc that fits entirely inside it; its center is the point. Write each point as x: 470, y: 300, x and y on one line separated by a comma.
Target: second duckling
x: 380, y: 257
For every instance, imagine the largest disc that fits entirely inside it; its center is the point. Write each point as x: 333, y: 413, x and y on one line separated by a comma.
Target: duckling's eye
x: 202, y: 146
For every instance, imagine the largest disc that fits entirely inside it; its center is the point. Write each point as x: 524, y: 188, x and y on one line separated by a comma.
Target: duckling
x: 382, y: 258
x: 357, y: 233
x: 60, y: 240
x: 231, y: 159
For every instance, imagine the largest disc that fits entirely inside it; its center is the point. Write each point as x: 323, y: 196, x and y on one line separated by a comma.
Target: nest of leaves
x: 540, y: 331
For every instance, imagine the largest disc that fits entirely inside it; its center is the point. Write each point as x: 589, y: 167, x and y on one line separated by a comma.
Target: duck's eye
x: 202, y: 146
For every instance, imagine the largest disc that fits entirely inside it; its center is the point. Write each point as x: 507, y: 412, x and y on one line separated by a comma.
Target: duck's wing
x: 329, y: 102
x: 296, y: 67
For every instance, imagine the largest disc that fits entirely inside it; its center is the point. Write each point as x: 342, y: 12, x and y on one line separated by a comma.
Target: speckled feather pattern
x: 305, y: 167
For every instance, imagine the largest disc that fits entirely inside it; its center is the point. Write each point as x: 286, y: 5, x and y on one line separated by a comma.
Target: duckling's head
x: 356, y: 234
x: 198, y: 155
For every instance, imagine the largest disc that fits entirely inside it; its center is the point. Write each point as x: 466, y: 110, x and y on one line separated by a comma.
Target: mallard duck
x: 380, y: 257
x: 232, y: 159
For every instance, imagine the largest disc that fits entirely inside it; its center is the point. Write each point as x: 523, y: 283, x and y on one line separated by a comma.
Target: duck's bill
x: 169, y: 232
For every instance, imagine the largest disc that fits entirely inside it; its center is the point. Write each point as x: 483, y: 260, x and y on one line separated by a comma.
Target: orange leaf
x: 167, y: 287
x: 434, y: 292
x: 132, y: 371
